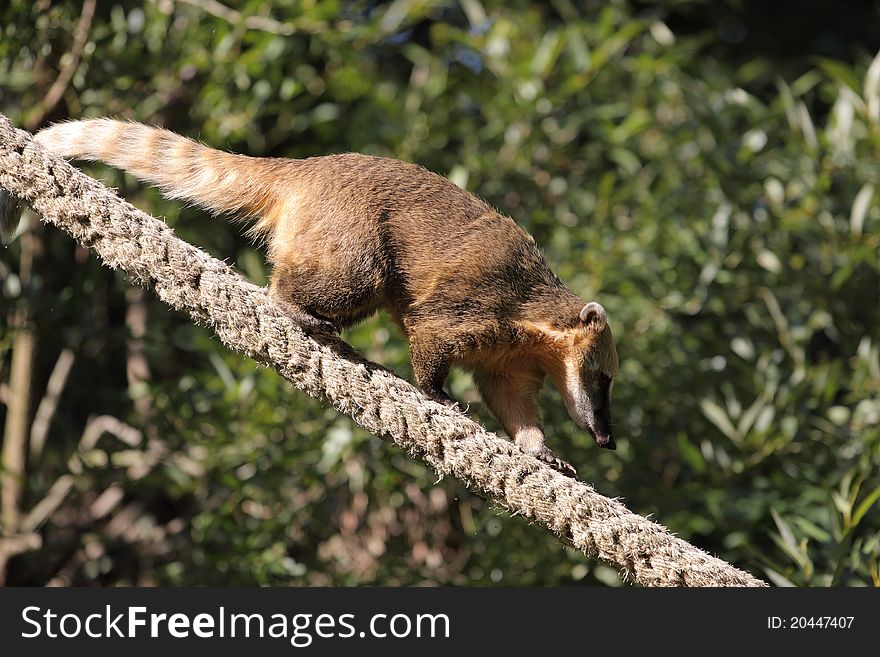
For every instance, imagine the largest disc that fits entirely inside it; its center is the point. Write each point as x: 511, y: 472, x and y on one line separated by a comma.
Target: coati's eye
x: 597, y: 382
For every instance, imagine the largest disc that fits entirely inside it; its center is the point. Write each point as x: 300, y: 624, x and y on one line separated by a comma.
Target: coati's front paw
x: 555, y: 462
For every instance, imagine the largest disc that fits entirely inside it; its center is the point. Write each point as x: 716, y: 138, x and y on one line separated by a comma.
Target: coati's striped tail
x: 180, y: 167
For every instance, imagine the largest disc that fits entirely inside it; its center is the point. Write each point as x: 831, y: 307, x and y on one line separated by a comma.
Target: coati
x: 350, y: 234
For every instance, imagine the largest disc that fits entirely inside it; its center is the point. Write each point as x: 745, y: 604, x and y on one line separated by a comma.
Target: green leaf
x: 788, y: 543
x: 778, y: 579
x: 864, y: 506
x: 812, y: 529
x: 719, y: 418
x: 547, y: 53
x: 860, y: 208
x: 691, y: 454
x: 839, y: 72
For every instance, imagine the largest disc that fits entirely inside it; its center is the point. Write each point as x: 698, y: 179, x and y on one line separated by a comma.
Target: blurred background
x: 708, y: 170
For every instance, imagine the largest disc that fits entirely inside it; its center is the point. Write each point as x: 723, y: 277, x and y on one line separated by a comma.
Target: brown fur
x: 352, y: 234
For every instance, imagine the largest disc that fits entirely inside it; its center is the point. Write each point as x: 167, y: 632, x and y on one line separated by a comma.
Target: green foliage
x: 725, y: 216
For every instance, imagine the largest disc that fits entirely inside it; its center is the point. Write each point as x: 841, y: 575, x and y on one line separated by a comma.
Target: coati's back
x: 443, y: 244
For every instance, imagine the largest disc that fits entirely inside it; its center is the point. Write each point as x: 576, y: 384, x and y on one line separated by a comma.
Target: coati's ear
x: 593, y: 316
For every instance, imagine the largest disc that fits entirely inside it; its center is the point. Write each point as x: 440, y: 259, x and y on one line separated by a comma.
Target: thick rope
x: 246, y: 320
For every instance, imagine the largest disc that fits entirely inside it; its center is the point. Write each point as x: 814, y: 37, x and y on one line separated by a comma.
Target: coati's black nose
x: 606, y: 441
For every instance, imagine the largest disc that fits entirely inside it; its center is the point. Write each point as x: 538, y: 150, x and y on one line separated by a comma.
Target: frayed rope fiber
x: 247, y: 321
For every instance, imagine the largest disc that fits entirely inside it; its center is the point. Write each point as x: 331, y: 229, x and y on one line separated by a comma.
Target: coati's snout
x: 591, y: 376
x: 592, y: 409
x: 599, y: 420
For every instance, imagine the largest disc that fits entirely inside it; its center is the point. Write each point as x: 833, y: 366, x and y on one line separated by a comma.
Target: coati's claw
x: 442, y: 398
x: 309, y: 323
x: 556, y: 463
x: 315, y: 325
x: 454, y: 405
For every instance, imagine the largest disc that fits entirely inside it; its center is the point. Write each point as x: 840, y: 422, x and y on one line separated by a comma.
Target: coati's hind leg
x: 512, y: 397
x: 308, y: 322
x: 324, y: 301
x: 430, y: 362
x: 280, y: 291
